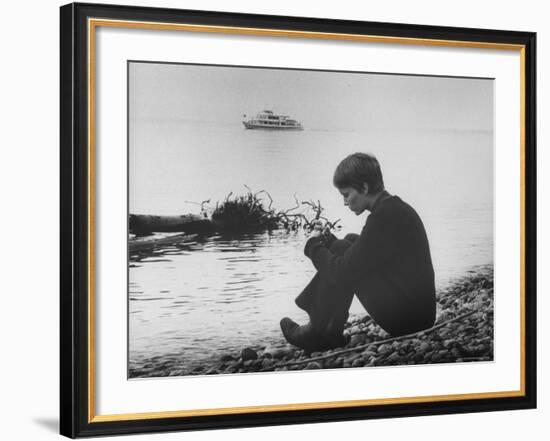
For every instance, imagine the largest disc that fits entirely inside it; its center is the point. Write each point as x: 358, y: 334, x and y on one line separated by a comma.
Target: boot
x: 309, y: 339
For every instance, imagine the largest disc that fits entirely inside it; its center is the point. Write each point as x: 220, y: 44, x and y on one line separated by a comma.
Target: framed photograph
x: 275, y: 220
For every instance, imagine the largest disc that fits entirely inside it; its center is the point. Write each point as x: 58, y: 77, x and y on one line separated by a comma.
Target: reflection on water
x: 215, y: 293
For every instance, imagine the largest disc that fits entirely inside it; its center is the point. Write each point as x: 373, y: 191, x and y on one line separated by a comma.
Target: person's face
x: 357, y: 201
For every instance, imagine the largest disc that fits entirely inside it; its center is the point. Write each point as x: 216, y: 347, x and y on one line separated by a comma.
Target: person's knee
x: 340, y: 246
x: 351, y: 237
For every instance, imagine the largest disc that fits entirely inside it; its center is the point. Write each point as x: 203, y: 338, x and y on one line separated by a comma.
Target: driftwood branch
x: 375, y: 343
x: 286, y: 212
x: 270, y: 200
x: 201, y: 204
x: 248, y: 212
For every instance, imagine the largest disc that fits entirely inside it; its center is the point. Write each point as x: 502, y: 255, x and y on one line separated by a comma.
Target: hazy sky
x: 332, y: 100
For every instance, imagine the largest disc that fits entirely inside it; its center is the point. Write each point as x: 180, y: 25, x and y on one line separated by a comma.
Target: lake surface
x: 230, y: 292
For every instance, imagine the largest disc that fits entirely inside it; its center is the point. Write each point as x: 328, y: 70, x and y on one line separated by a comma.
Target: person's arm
x: 371, y: 249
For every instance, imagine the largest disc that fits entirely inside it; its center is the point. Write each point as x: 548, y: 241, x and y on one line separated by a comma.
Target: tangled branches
x: 318, y: 210
x: 249, y: 212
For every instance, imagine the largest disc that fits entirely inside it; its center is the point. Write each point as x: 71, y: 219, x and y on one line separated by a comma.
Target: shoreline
x: 468, y: 339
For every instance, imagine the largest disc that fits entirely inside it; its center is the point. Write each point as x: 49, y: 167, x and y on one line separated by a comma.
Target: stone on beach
x: 248, y: 354
x: 267, y: 363
x: 313, y: 365
x: 357, y: 339
x: 281, y: 352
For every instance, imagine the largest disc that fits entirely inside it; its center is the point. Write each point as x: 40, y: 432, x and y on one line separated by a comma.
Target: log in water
x: 142, y: 224
x: 139, y: 245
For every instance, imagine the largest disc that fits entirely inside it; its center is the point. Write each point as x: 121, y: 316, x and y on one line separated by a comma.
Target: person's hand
x: 318, y: 229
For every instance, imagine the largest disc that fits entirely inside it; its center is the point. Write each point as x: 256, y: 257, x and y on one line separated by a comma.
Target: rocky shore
x: 463, y: 332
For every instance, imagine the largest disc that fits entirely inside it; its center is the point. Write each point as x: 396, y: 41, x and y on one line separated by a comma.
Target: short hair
x: 358, y: 169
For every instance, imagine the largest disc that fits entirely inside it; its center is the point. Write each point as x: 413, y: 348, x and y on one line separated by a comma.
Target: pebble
x: 445, y: 316
x: 424, y: 347
x: 267, y: 363
x: 313, y: 365
x: 235, y: 365
x: 393, y: 358
x: 352, y: 357
x: 248, y: 354
x: 357, y: 339
x: 266, y: 352
x: 448, y: 343
x: 279, y: 353
x: 291, y: 355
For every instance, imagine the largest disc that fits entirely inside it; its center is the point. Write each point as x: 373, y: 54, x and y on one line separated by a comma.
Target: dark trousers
x: 328, y: 304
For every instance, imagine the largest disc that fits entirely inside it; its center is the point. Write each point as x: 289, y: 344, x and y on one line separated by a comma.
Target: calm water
x: 224, y: 292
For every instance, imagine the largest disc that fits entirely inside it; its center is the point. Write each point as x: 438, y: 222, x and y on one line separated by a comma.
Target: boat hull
x: 253, y: 126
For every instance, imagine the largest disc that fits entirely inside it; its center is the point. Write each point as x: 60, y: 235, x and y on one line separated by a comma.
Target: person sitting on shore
x: 388, y: 266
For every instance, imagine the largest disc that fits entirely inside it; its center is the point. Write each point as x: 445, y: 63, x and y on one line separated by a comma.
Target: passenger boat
x: 267, y: 119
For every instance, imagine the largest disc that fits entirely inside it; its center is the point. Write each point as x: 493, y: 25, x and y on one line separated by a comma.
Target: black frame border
x: 74, y: 219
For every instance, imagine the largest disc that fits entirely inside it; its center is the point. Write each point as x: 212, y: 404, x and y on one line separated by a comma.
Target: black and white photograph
x: 288, y: 219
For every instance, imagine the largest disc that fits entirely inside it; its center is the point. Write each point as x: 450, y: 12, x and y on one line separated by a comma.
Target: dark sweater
x: 389, y: 267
